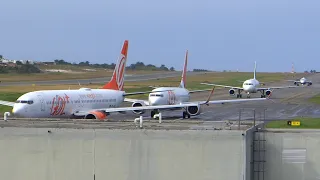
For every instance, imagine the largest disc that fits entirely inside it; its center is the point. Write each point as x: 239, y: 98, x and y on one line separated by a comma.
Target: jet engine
x: 231, y: 92
x: 137, y: 104
x: 310, y: 83
x: 268, y: 92
x: 194, y: 110
x: 96, y: 115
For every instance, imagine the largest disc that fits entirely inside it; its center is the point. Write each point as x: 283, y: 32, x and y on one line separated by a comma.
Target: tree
x: 1, y: 56
x: 172, y: 69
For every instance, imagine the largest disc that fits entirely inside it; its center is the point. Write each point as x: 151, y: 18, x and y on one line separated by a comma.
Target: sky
x: 219, y: 34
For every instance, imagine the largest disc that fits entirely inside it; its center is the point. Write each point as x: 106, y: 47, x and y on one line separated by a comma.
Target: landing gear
x: 185, y: 114
x: 263, y: 95
x: 154, y: 112
x: 248, y: 95
x: 239, y: 95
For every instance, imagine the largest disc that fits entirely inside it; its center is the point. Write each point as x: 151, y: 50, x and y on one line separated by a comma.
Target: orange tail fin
x: 117, y: 80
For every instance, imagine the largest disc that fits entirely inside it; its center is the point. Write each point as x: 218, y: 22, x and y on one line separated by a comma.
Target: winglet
x: 117, y: 80
x: 209, y: 97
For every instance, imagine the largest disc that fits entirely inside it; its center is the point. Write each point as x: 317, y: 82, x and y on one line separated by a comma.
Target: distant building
x: 49, y: 63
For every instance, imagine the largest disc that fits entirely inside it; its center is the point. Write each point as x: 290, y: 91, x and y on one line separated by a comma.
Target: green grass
x: 11, y: 93
x: 8, y: 96
x: 305, y: 123
x: 315, y: 99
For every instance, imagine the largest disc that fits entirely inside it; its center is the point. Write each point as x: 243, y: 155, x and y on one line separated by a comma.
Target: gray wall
x: 33, y: 153
x: 293, y: 155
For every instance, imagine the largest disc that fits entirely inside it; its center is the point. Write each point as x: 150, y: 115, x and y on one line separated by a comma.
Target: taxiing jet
x: 170, y: 96
x: 302, y: 81
x: 250, y: 86
x: 96, y: 103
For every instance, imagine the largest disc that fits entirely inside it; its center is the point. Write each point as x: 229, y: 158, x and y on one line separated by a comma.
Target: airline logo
x: 117, y: 80
x: 120, y: 72
x: 58, y: 105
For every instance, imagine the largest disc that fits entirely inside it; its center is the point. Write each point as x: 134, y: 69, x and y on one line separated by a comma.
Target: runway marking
x: 294, y: 96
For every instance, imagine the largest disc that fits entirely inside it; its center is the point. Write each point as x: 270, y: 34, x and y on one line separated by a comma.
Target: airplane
x: 169, y: 96
x: 302, y: 81
x: 250, y: 86
x: 89, y: 103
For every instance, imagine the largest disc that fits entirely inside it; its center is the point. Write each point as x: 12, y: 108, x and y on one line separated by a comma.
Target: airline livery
x: 250, y: 86
x: 97, y: 103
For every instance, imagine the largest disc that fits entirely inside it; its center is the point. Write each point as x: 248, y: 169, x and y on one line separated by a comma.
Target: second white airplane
x: 250, y: 86
x: 173, y: 96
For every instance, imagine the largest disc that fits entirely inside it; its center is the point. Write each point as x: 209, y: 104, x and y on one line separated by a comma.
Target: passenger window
x: 24, y: 102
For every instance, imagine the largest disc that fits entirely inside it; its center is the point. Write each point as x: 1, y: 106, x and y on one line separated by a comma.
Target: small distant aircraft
x: 302, y: 81
x: 250, y: 86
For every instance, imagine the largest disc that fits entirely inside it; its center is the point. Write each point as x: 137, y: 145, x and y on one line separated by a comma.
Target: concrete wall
x: 70, y: 154
x: 292, y: 155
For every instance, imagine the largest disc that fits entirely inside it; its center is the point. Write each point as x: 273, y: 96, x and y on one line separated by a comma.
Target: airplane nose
x: 153, y: 101
x: 16, y: 111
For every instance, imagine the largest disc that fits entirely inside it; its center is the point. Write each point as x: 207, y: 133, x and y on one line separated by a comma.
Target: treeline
x: 136, y: 66
x: 200, y: 70
x: 20, y: 68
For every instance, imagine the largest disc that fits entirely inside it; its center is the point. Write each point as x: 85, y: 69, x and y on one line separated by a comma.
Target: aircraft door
x: 42, y: 103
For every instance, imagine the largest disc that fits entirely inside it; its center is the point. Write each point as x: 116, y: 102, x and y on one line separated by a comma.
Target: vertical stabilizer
x: 184, y: 72
x: 255, y: 70
x: 117, y: 80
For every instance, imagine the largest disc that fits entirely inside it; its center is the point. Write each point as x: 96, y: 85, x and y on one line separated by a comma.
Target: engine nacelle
x: 96, y: 115
x: 138, y: 104
x: 231, y: 92
x: 310, y: 83
x: 194, y: 110
x: 268, y: 92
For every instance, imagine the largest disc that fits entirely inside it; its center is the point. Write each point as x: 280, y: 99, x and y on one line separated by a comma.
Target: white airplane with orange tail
x: 94, y: 103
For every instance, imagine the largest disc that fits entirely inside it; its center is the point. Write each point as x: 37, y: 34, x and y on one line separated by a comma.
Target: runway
x: 283, y: 104
x: 128, y: 78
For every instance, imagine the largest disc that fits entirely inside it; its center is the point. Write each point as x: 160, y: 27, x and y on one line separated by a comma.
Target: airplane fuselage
x: 63, y: 103
x: 169, y: 96
x: 250, y: 85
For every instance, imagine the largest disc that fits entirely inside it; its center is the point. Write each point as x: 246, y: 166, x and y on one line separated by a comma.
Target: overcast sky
x: 219, y: 34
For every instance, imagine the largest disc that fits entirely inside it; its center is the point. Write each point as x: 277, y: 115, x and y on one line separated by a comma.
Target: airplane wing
x: 203, y: 90
x: 270, y: 88
x: 293, y: 81
x: 181, y: 105
x: 136, y: 100
x: 6, y: 103
x: 144, y: 92
x: 233, y: 87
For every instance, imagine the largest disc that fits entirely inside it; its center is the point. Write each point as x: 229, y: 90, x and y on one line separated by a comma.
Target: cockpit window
x: 24, y: 101
x: 158, y: 95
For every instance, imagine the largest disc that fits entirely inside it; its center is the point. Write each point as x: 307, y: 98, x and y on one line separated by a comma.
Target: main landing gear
x: 185, y: 114
x: 263, y: 95
x: 248, y: 95
x: 239, y: 95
